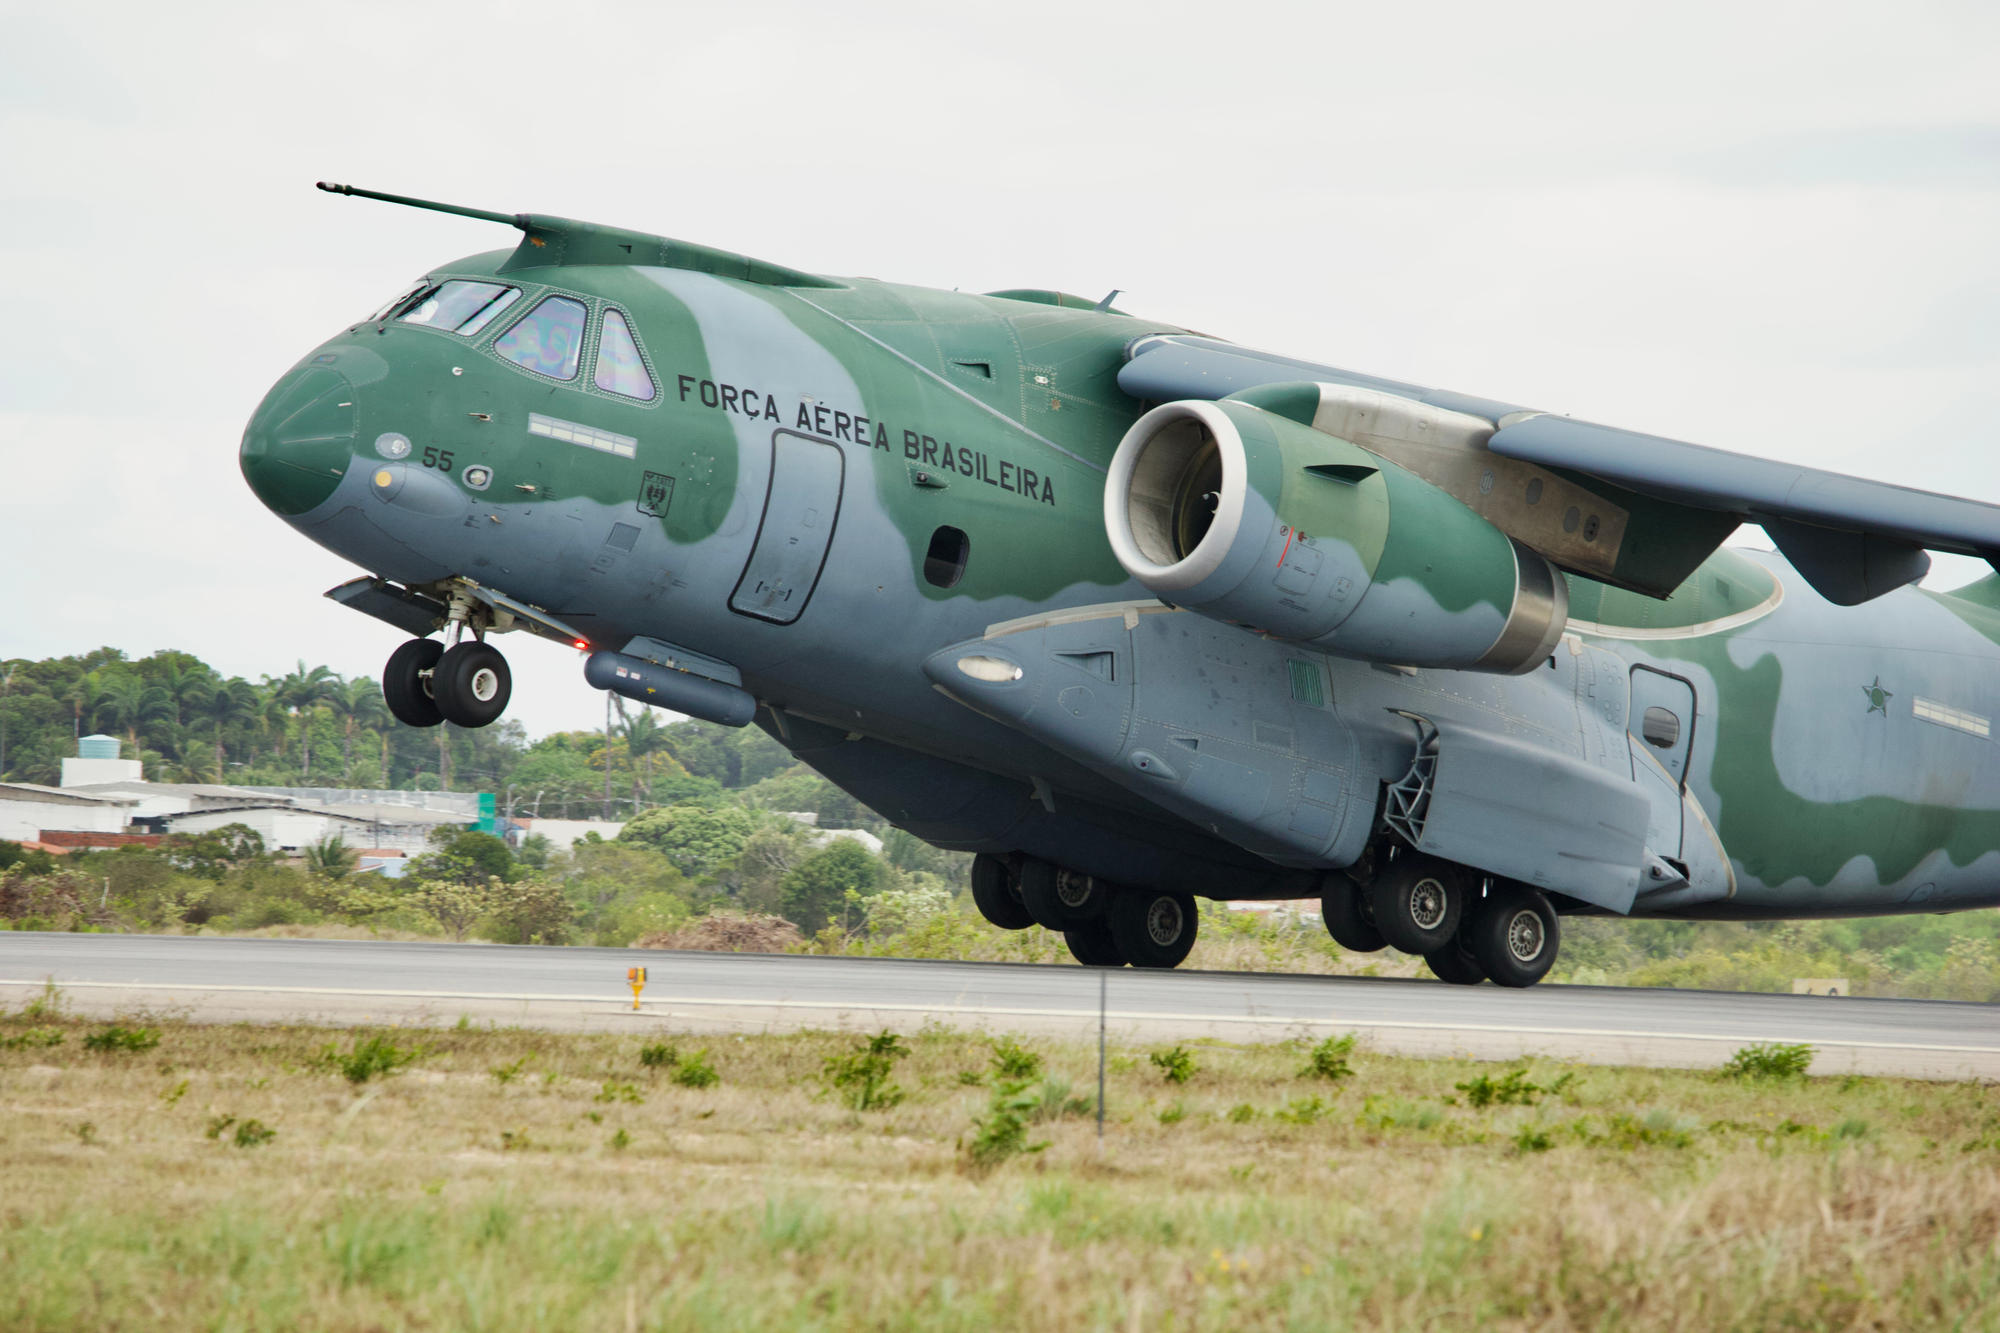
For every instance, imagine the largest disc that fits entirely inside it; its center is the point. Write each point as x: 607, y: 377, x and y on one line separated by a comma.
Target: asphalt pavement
x: 577, y: 989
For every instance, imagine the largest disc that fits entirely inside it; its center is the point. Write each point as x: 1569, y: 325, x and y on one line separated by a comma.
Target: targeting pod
x: 666, y: 687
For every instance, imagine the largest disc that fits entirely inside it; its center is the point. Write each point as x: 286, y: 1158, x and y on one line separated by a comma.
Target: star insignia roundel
x: 1878, y: 698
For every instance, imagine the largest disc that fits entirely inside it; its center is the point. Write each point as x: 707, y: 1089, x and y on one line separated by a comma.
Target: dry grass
x: 521, y: 1180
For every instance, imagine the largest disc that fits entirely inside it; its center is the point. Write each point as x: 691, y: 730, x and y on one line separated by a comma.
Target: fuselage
x: 824, y: 488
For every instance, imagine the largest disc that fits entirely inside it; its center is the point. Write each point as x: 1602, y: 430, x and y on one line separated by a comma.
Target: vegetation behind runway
x: 712, y: 860
x: 172, y: 1176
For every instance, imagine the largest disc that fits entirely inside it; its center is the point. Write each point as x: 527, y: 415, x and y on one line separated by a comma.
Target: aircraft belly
x: 1235, y: 733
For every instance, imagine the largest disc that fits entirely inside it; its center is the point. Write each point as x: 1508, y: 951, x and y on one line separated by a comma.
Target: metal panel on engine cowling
x: 1514, y: 808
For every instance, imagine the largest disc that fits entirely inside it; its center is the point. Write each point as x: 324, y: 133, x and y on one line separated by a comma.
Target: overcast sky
x: 1770, y: 228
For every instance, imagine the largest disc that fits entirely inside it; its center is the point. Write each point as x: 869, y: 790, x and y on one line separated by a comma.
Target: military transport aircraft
x: 1138, y: 615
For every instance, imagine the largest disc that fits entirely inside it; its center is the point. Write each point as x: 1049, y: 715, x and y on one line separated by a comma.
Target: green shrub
x: 117, y: 1039
x: 1328, y: 1060
x: 1531, y: 1138
x: 861, y: 1076
x: 1175, y: 1065
x: 370, y: 1057
x: 1512, y: 1089
x: 1301, y: 1111
x: 658, y: 1055
x: 1053, y: 1101
x: 32, y: 1039
x: 249, y: 1133
x: 1242, y: 1113
x: 696, y: 1072
x: 252, y: 1133
x: 1769, y: 1060
x: 1013, y: 1061
x: 1173, y: 1115
x: 507, y: 1073
x: 620, y: 1092
x: 1003, y: 1131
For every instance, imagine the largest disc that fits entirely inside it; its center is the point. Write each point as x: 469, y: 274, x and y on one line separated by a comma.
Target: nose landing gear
x: 468, y: 683
x: 426, y: 683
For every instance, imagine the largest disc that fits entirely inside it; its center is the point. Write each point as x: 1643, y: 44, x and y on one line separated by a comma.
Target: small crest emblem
x: 656, y: 492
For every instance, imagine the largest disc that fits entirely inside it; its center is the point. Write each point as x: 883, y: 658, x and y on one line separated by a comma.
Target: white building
x: 28, y: 808
x: 564, y: 834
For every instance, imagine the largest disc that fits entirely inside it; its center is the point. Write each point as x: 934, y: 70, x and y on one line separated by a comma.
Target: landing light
x: 995, y: 670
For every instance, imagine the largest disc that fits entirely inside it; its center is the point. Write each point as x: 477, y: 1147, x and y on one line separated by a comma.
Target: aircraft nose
x: 298, y: 443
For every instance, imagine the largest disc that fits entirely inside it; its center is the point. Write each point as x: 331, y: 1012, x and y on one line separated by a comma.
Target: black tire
x: 1091, y: 944
x: 1417, y: 902
x: 1515, y: 935
x: 1152, y: 929
x: 993, y: 893
x: 1454, y: 965
x: 1343, y: 907
x: 407, y: 693
x: 1058, y: 898
x: 472, y: 684
x: 1036, y: 881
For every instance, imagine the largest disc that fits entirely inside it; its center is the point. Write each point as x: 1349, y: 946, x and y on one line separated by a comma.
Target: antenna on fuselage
x: 511, y: 219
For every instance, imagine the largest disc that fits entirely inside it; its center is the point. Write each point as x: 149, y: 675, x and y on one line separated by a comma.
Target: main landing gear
x: 1424, y: 905
x: 426, y: 683
x: 1104, y: 924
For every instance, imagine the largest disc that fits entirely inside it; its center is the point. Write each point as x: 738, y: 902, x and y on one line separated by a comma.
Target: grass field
x: 160, y: 1175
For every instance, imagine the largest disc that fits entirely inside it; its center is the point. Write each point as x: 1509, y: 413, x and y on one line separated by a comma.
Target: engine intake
x: 1247, y: 516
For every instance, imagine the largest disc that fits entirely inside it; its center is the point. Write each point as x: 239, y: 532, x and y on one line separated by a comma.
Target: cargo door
x: 796, y: 528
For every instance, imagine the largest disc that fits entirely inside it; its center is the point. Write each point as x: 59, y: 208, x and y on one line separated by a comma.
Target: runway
x: 577, y: 989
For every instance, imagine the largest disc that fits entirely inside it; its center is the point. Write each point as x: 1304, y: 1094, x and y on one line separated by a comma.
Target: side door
x: 800, y: 510
x: 1660, y: 729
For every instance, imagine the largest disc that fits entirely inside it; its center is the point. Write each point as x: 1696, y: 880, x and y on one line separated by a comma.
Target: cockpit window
x: 548, y: 340
x: 402, y: 299
x: 459, y: 306
x: 620, y: 369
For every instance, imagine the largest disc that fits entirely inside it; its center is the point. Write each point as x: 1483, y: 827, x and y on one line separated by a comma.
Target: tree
x: 454, y: 904
x: 644, y: 737
x: 698, y: 839
x: 127, y: 701
x: 816, y: 892
x: 330, y: 858
x: 466, y: 855
x: 297, y: 693
x: 355, y: 703
x: 222, y: 703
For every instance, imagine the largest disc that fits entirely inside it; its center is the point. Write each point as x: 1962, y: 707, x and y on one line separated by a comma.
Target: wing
x: 1851, y: 539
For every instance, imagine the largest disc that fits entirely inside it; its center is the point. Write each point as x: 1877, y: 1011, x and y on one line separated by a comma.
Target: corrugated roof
x: 35, y: 791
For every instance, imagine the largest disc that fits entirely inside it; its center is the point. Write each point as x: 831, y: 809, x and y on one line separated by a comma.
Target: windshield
x: 461, y: 307
x: 548, y: 339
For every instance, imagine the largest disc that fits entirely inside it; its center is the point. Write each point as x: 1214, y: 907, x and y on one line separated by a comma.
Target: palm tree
x: 644, y: 737
x: 298, y: 692
x: 185, y: 682
x: 356, y: 703
x: 224, y: 703
x: 128, y: 701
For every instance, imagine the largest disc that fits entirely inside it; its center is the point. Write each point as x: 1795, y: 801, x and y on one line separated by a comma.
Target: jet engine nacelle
x: 1247, y: 516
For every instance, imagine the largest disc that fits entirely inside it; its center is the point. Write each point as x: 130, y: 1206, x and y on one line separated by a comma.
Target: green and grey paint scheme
x: 1193, y: 608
